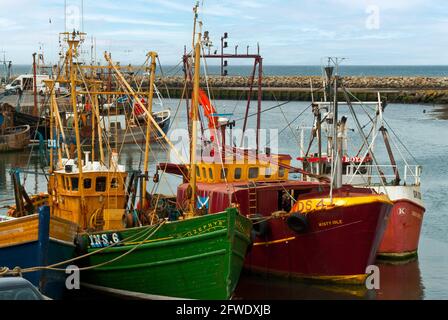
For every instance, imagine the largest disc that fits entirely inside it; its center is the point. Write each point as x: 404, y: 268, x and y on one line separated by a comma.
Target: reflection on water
x: 400, y: 281
x: 440, y: 112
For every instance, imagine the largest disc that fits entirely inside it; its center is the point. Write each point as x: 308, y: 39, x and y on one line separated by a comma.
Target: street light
x: 223, y: 45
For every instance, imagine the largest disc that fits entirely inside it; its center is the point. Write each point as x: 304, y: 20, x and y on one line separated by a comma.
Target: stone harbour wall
x: 394, y: 89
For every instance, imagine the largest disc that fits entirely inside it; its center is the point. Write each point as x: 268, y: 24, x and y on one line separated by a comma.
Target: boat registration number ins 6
x: 103, y: 240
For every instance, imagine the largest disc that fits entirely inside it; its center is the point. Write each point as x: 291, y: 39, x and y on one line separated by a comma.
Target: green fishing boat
x: 172, y: 250
x: 197, y: 258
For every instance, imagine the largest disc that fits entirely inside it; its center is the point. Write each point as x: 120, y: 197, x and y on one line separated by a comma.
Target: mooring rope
x: 19, y: 271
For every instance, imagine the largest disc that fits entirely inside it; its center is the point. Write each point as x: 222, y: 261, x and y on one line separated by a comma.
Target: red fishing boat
x: 399, y: 180
x: 316, y: 230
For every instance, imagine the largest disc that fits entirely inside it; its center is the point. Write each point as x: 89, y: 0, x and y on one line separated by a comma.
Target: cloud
x: 289, y: 31
x: 120, y: 20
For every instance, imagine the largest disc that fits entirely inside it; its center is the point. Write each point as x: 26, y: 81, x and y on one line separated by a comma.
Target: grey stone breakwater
x: 394, y: 89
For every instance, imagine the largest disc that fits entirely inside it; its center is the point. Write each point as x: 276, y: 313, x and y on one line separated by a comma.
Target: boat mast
x: 35, y: 109
x: 73, y: 43
x: 337, y: 181
x: 52, y: 144
x: 153, y: 56
x: 194, y: 121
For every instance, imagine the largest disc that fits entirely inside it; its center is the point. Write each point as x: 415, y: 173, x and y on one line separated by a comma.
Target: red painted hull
x: 331, y: 253
x: 403, y: 230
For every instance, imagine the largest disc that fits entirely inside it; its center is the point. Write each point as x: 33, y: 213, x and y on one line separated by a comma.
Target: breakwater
x: 298, y: 88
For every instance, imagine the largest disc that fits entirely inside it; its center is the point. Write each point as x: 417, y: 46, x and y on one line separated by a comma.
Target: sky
x: 300, y: 32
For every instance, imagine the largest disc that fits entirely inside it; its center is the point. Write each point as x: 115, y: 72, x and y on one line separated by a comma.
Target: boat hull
x: 198, y: 258
x: 132, y: 134
x: 402, y: 234
x: 15, y: 138
x: 337, y: 247
x: 42, y: 241
x: 338, y: 244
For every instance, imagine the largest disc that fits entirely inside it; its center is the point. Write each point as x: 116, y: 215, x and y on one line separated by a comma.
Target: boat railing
x: 370, y: 174
x: 414, y: 172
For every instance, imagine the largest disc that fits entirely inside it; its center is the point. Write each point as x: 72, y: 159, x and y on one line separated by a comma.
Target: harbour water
x: 419, y: 130
x: 273, y: 70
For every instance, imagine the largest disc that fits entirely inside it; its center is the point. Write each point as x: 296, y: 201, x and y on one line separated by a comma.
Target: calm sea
x: 418, y: 129
x: 349, y: 70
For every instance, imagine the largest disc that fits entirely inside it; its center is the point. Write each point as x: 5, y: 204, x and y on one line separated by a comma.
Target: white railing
x: 370, y: 174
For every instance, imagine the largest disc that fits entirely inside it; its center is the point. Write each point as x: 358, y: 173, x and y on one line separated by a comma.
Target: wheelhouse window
x: 224, y: 172
x: 198, y: 172
x: 210, y: 173
x: 75, y: 183
x: 281, y: 172
x: 87, y: 183
x: 268, y: 172
x: 204, y: 173
x: 115, y: 125
x: 114, y: 183
x: 253, y: 173
x: 100, y: 185
x: 237, y: 174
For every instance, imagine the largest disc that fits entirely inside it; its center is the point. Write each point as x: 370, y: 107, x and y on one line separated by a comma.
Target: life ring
x: 260, y: 227
x: 297, y: 222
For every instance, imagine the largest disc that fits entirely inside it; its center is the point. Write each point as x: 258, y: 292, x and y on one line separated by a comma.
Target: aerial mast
x: 336, y: 147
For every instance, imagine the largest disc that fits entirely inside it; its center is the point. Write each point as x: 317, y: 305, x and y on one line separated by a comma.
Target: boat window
x: 224, y: 173
x: 204, y: 173
x: 87, y: 183
x: 115, y: 125
x: 63, y: 183
x: 198, y: 172
x: 210, y: 173
x: 281, y: 172
x: 100, y: 184
x: 268, y: 172
x: 237, y: 174
x: 253, y: 172
x: 114, y: 183
x: 75, y: 182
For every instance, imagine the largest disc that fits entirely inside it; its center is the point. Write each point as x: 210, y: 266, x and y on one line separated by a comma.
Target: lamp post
x: 223, y: 45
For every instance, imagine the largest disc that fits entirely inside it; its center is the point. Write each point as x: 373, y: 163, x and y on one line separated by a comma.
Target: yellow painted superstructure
x: 232, y: 170
x: 103, y: 201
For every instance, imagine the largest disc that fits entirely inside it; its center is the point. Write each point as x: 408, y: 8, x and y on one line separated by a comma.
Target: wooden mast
x: 153, y: 56
x: 96, y: 113
x: 73, y: 44
x: 194, y: 125
x: 131, y: 92
x: 52, y: 144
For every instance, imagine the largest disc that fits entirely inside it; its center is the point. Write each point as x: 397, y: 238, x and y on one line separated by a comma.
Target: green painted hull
x: 198, y: 258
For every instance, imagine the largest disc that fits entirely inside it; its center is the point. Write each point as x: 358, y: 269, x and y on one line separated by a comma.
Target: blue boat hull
x: 43, y: 252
